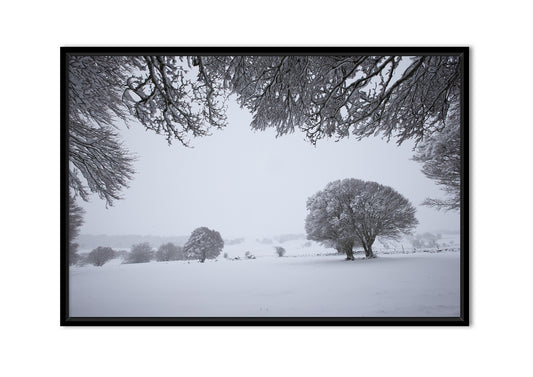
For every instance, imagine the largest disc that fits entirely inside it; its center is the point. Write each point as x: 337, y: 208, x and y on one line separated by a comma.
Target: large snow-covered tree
x: 203, y: 244
x: 399, y: 97
x: 351, y: 211
x: 337, y: 96
x: 328, y: 221
x: 167, y: 94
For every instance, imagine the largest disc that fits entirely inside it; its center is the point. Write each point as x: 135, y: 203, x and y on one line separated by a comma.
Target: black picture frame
x: 462, y: 320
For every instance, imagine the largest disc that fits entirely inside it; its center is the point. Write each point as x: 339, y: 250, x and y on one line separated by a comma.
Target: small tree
x: 169, y: 252
x: 203, y: 244
x: 99, y: 256
x: 352, y: 211
x: 280, y: 251
x: 140, y: 253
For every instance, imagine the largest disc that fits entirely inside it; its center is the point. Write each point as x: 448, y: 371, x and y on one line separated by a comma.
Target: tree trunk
x: 368, y: 250
x: 349, y: 254
x: 347, y: 246
x: 369, y: 253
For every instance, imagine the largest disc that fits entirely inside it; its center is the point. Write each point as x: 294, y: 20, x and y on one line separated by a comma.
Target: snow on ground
x: 417, y: 284
x: 303, y: 247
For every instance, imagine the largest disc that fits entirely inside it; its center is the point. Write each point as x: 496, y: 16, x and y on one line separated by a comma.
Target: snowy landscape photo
x: 264, y: 184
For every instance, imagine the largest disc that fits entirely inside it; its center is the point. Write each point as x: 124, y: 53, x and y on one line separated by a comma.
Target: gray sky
x: 246, y: 183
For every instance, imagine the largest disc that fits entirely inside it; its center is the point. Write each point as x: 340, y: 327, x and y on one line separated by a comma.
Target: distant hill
x: 88, y: 242
x: 296, y: 244
x: 91, y: 241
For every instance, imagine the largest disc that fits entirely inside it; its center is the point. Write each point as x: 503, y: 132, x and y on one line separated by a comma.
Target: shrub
x: 280, y: 251
x: 140, y: 253
x: 100, y: 256
x: 169, y: 252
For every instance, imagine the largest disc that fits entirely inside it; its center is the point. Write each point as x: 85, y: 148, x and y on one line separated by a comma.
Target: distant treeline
x: 282, y: 238
x: 90, y: 241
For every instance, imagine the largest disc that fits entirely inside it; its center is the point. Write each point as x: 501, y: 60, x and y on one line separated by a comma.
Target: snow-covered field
x: 301, y: 284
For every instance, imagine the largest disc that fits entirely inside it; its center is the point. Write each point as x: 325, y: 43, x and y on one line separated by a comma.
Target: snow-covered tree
x: 203, y: 244
x: 75, y: 221
x: 352, y: 212
x: 99, y: 256
x: 169, y: 252
x: 140, y: 253
x: 400, y: 97
x: 363, y: 95
x: 323, y: 223
x: 176, y: 96
x: 169, y: 95
x: 98, y: 161
x: 440, y: 155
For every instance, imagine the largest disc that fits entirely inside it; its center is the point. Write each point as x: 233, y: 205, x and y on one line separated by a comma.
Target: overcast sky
x: 248, y: 183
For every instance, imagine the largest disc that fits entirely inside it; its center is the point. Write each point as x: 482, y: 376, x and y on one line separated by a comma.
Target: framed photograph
x: 264, y: 186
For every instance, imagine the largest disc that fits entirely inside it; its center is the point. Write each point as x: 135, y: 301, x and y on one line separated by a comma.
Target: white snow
x: 417, y: 284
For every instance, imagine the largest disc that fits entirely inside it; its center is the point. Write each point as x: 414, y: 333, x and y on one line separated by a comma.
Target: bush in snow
x: 203, y: 244
x: 140, y: 253
x: 225, y: 255
x: 99, y: 256
x: 280, y: 251
x: 168, y: 252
